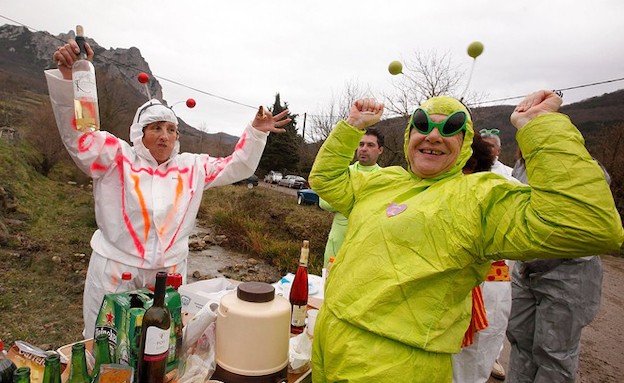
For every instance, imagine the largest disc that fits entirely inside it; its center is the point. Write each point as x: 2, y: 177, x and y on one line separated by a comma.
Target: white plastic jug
x: 253, y: 329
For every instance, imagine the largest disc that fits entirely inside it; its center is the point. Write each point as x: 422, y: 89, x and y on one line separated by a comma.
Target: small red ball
x: 143, y: 78
x: 190, y: 103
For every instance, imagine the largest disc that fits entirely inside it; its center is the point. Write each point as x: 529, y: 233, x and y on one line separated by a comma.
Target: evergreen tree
x: 282, y: 149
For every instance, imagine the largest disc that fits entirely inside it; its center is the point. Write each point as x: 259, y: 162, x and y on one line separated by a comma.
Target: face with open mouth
x: 432, y: 154
x: 160, y: 138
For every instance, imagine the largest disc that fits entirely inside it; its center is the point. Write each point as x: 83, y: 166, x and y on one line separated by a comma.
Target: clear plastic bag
x: 198, y: 361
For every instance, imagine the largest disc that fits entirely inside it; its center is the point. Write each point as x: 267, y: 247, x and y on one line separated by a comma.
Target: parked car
x: 292, y: 181
x: 272, y: 177
x: 307, y: 197
x: 250, y: 182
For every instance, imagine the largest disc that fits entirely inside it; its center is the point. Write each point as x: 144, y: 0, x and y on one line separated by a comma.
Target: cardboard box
x: 121, y: 317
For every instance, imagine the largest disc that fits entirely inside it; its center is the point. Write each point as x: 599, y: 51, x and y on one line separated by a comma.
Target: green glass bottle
x: 102, y: 354
x: 52, y: 372
x: 78, y: 369
x: 21, y: 375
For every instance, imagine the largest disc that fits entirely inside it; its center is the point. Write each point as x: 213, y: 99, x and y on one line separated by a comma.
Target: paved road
x: 282, y: 189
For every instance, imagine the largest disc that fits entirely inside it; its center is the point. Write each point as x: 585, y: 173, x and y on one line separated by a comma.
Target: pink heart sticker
x: 395, y: 209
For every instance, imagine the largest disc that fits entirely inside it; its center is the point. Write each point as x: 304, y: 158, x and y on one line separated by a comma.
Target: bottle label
x: 84, y: 85
x: 156, y: 343
x: 298, y: 316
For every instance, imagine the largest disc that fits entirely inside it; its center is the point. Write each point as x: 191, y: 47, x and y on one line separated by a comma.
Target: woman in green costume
x: 398, y: 302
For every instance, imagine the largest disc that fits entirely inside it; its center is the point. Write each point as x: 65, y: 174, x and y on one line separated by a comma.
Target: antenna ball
x: 395, y: 68
x: 190, y: 103
x: 143, y: 78
x: 475, y: 49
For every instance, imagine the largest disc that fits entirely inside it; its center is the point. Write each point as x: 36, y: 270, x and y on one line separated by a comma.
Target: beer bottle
x: 102, y: 354
x: 155, y: 333
x: 299, y: 292
x: 52, y: 372
x: 21, y: 375
x: 78, y: 369
x: 7, y: 367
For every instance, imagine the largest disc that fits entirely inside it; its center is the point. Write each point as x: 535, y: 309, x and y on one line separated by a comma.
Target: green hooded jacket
x: 416, y: 247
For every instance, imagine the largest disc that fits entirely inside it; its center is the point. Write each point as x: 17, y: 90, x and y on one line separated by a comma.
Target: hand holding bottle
x: 67, y: 54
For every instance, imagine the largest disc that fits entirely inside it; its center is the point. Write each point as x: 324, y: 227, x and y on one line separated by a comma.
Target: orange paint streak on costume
x: 172, y: 211
x: 146, y: 221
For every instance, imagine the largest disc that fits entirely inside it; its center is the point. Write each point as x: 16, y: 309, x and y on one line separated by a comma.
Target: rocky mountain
x: 24, y: 55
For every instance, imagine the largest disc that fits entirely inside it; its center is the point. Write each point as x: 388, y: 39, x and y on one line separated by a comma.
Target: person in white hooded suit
x: 146, y: 195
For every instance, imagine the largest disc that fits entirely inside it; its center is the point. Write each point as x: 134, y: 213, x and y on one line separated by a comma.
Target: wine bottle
x: 102, y: 354
x: 52, y: 372
x: 154, y: 348
x: 78, y: 368
x: 21, y: 375
x: 86, y: 109
x: 7, y: 367
x: 299, y: 292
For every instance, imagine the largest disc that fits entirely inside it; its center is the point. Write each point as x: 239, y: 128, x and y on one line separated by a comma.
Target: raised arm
x: 93, y: 152
x: 330, y: 176
x: 568, y: 209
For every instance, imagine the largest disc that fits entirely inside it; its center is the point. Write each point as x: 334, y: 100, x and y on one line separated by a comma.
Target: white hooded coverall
x: 144, y: 211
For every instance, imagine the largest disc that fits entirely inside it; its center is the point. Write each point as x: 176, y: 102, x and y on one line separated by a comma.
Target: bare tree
x: 426, y: 75
x: 44, y: 136
x: 608, y: 152
x: 338, y: 108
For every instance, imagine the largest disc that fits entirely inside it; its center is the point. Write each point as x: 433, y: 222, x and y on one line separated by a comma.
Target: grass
x: 267, y: 224
x: 40, y: 298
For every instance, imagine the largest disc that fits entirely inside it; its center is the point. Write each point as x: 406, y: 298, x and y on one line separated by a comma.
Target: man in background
x: 491, y: 136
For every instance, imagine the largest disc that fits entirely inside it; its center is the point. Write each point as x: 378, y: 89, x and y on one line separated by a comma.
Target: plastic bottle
x: 52, y: 372
x: 156, y: 329
x: 86, y: 109
x: 78, y: 368
x: 175, y: 347
x: 299, y: 292
x: 125, y: 284
x: 7, y: 367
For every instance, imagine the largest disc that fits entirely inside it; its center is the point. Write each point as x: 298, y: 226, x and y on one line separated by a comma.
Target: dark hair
x: 482, y: 157
x: 376, y: 133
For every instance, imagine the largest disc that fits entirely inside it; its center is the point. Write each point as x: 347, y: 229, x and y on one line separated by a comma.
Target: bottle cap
x: 79, y: 30
x: 126, y: 276
x: 174, y: 280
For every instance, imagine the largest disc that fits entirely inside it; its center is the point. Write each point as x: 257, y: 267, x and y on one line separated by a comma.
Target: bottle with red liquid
x: 299, y: 292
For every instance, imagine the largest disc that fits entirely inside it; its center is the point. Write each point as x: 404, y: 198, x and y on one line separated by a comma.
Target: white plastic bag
x: 299, y: 353
x: 199, y: 346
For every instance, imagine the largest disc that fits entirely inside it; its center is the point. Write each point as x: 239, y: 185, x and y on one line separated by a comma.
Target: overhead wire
x: 309, y: 115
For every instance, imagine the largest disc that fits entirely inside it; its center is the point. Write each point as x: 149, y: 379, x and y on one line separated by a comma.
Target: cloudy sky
x: 249, y: 50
